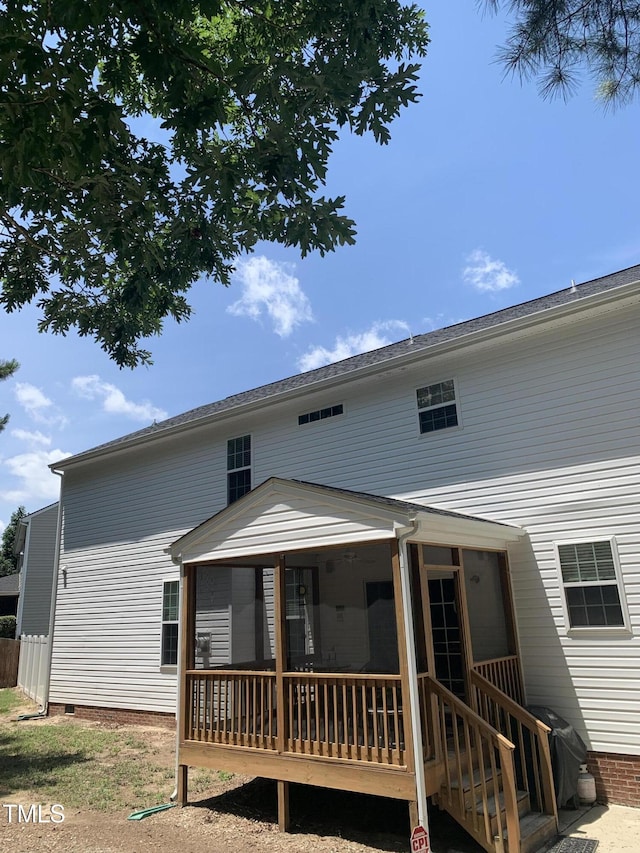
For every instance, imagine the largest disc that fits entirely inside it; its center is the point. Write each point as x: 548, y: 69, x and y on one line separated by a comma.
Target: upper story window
x: 320, y: 414
x: 238, y: 467
x: 437, y: 407
x: 592, y: 585
x: 170, y: 596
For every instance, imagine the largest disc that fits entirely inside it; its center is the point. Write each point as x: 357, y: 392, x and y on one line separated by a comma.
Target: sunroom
x: 362, y: 643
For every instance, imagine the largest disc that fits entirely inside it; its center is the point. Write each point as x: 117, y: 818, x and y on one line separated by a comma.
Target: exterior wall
x: 37, y: 572
x: 617, y: 777
x: 548, y: 440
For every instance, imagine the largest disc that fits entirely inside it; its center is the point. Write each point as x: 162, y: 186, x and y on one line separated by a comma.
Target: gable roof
x: 290, y: 515
x: 525, y: 313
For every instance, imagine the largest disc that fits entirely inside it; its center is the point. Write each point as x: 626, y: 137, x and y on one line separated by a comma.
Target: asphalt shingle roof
x: 10, y: 584
x: 347, y: 366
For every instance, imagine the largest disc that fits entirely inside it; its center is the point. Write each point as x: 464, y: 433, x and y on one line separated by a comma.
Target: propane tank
x: 586, y: 787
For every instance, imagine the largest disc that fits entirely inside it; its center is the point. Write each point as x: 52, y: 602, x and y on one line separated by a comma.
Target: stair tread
x: 476, y: 777
x: 491, y: 802
x: 533, y: 822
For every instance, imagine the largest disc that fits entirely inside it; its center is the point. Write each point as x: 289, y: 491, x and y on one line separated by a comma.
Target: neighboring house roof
x: 10, y: 585
x: 563, y: 301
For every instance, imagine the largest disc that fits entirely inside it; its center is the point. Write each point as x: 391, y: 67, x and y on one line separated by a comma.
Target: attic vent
x: 320, y: 414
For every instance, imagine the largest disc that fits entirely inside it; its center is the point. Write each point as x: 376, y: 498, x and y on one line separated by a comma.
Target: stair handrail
x: 506, y: 751
x: 539, y: 730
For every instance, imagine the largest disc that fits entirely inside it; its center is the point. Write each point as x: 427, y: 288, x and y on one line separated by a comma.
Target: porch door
x: 447, y: 627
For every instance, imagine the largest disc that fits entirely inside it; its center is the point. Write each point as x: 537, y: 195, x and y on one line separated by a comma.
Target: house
x: 35, y: 546
x: 375, y: 555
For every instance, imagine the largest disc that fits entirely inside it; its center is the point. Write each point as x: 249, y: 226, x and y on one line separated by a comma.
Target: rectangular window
x: 437, y: 407
x: 320, y: 414
x: 238, y: 467
x: 591, y: 584
x: 170, y: 596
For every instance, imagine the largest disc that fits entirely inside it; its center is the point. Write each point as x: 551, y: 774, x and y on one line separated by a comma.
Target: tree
x: 8, y: 560
x: 143, y: 145
x: 7, y: 369
x: 554, y: 39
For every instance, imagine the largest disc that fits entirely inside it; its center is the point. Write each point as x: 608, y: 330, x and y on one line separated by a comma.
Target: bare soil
x: 232, y: 815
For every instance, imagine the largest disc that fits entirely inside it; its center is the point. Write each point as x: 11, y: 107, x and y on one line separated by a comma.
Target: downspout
x: 414, y: 699
x: 179, y: 686
x: 52, y: 614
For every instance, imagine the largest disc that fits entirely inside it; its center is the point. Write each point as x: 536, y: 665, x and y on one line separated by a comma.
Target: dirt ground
x: 232, y: 816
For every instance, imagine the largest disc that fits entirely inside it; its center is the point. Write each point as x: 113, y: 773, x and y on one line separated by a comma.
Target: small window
x: 238, y: 467
x: 170, y: 596
x: 320, y: 414
x: 591, y: 584
x: 437, y: 407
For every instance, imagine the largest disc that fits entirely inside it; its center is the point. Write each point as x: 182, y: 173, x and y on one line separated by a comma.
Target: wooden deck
x: 489, y: 766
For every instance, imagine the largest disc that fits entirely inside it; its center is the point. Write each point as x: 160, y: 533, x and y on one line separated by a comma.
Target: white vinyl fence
x: 32, y: 669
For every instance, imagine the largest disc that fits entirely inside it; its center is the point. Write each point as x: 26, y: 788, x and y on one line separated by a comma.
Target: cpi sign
x: 419, y: 840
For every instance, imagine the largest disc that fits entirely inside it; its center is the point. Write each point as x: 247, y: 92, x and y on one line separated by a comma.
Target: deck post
x: 186, y: 609
x: 283, y: 806
x: 183, y: 784
x: 280, y: 650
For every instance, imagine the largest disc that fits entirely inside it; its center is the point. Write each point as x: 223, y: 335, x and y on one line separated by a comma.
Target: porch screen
x: 234, y: 618
x: 490, y: 637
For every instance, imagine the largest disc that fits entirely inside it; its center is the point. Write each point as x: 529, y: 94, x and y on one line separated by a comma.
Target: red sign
x: 419, y: 840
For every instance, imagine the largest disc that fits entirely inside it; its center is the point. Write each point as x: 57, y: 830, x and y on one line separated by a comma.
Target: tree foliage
x: 143, y: 145
x: 7, y: 369
x: 8, y: 560
x: 554, y: 40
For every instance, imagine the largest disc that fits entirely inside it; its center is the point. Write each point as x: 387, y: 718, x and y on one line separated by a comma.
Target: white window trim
x: 591, y: 631
x: 456, y: 400
x: 169, y: 667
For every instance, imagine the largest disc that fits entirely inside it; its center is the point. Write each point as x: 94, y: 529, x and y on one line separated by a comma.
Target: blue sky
x: 486, y: 196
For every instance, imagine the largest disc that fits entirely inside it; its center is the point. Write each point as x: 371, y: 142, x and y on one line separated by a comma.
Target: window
x: 591, y: 584
x: 170, y: 596
x: 320, y: 414
x: 238, y: 467
x: 437, y: 408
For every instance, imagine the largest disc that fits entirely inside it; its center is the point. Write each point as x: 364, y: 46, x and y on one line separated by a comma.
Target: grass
x: 9, y: 700
x: 87, y: 767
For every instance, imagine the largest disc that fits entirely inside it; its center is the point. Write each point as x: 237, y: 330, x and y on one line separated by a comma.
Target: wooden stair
x: 536, y: 829
x: 496, y: 778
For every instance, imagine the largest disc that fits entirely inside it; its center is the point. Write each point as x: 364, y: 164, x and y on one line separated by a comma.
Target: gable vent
x: 320, y: 414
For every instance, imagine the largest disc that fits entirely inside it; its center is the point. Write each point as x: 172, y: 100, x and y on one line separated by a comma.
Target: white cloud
x: 113, y: 400
x: 37, y: 483
x: 345, y: 347
x: 37, y: 405
x: 268, y: 286
x: 488, y: 275
x: 33, y: 439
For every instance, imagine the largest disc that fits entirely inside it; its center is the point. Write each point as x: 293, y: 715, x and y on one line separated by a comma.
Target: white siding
x: 550, y: 441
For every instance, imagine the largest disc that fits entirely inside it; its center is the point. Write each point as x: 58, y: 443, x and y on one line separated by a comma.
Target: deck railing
x: 529, y: 735
x: 503, y: 673
x: 479, y: 774
x: 356, y: 717
x: 233, y: 707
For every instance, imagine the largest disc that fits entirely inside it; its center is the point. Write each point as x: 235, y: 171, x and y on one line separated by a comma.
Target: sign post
x: 419, y: 840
